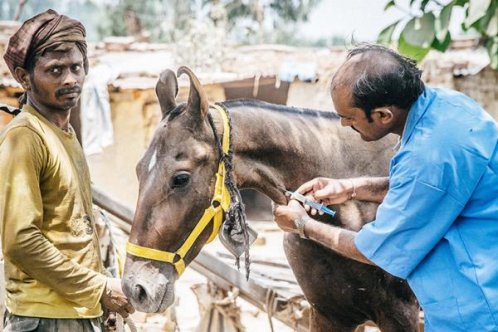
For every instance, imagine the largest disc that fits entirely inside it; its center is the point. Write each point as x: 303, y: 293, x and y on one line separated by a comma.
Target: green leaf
x: 423, y: 4
x: 420, y: 31
x: 492, y: 29
x: 443, y: 21
x: 492, y: 47
x: 477, y: 9
x: 389, y: 5
x: 385, y: 36
x: 442, y: 46
x: 417, y: 53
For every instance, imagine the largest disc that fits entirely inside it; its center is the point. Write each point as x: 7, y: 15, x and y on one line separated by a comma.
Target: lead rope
x: 235, y: 216
x: 117, y: 272
x: 270, y: 304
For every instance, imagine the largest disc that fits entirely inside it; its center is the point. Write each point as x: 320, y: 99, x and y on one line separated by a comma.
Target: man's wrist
x: 300, y: 223
x: 353, y: 189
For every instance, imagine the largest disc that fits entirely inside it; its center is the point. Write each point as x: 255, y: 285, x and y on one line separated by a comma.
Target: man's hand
x: 284, y: 215
x: 327, y: 191
x: 113, y: 298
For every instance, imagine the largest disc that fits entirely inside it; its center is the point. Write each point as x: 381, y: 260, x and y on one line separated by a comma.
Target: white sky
x: 363, y: 18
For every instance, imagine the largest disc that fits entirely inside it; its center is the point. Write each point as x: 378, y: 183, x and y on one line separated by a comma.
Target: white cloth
x: 305, y: 71
x: 96, y: 123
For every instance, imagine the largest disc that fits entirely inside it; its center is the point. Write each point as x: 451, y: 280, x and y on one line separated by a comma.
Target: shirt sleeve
x: 409, y: 223
x: 22, y: 158
x: 428, y: 188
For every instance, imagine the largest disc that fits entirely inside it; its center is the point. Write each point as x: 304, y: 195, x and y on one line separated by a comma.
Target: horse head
x: 176, y: 185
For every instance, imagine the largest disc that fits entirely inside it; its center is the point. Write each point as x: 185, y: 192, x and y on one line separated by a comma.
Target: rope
x: 117, y: 271
x: 227, y: 306
x: 218, y: 308
x: 270, y: 303
x: 117, y: 268
x: 297, y: 305
x: 235, y: 216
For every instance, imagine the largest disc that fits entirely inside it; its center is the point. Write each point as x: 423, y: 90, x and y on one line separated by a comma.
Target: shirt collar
x: 417, y: 110
x: 397, y: 145
x: 31, y: 110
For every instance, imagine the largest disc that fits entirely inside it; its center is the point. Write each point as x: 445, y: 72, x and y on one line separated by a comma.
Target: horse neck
x: 278, y: 148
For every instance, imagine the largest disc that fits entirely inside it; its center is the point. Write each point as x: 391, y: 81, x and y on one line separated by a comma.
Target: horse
x: 274, y: 148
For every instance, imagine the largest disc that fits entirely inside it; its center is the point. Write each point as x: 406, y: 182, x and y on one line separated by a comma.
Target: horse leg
x: 321, y: 323
x: 324, y: 284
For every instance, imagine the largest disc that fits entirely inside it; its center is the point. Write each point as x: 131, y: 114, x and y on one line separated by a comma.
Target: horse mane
x: 279, y: 108
x: 255, y: 103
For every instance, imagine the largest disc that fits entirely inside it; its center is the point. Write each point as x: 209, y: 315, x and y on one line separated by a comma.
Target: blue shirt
x: 438, y: 224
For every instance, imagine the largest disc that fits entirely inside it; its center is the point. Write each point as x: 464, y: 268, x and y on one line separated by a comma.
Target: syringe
x: 306, y: 201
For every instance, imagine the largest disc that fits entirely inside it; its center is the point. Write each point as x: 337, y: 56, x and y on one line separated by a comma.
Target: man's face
x: 57, y: 79
x: 356, y: 118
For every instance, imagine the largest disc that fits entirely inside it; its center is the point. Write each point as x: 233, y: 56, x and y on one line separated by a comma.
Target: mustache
x: 65, y: 91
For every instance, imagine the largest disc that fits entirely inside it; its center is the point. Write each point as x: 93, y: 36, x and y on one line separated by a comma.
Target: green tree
x: 143, y: 19
x: 8, y: 8
x: 256, y: 15
x: 168, y: 20
x: 89, y: 12
x: 428, y: 22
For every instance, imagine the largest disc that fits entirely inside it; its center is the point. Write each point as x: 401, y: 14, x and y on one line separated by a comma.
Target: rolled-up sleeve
x: 21, y: 214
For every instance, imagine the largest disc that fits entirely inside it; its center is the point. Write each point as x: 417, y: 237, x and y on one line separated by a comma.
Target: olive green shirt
x: 49, y: 242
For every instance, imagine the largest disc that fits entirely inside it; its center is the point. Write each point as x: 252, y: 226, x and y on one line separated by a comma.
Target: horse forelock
x: 179, y: 109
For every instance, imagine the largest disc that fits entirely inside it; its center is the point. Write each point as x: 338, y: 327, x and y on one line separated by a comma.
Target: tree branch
x: 19, y: 9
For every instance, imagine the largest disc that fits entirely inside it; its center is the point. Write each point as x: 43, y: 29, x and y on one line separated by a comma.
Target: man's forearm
x: 335, y: 238
x: 372, y: 189
x: 40, y: 259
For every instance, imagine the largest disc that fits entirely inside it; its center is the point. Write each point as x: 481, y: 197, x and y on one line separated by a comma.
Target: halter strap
x: 219, y: 204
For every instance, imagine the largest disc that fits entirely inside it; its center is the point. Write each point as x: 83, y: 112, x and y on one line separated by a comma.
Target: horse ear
x: 197, y: 103
x: 166, y: 91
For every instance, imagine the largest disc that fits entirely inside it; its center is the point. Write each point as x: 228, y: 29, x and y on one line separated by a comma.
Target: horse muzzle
x: 149, y: 285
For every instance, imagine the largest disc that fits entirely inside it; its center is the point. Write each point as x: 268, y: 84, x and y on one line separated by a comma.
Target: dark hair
x: 32, y: 57
x: 384, y: 78
x: 31, y: 62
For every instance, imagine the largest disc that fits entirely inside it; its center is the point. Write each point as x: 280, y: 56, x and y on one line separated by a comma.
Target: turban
x: 42, y: 32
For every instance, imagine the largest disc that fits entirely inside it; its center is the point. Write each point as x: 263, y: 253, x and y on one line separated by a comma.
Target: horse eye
x: 180, y: 180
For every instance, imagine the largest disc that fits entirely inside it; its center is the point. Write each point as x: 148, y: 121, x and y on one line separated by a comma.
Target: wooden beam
x: 110, y: 205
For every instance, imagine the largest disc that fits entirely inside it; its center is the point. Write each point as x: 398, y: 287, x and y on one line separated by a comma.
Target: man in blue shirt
x: 437, y: 224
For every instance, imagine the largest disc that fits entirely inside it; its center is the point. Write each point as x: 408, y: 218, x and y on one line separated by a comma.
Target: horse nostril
x: 140, y: 293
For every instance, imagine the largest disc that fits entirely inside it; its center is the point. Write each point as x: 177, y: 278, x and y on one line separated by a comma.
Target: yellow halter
x: 219, y: 204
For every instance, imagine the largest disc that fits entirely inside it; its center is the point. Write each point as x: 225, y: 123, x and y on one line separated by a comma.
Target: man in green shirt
x: 53, y: 270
